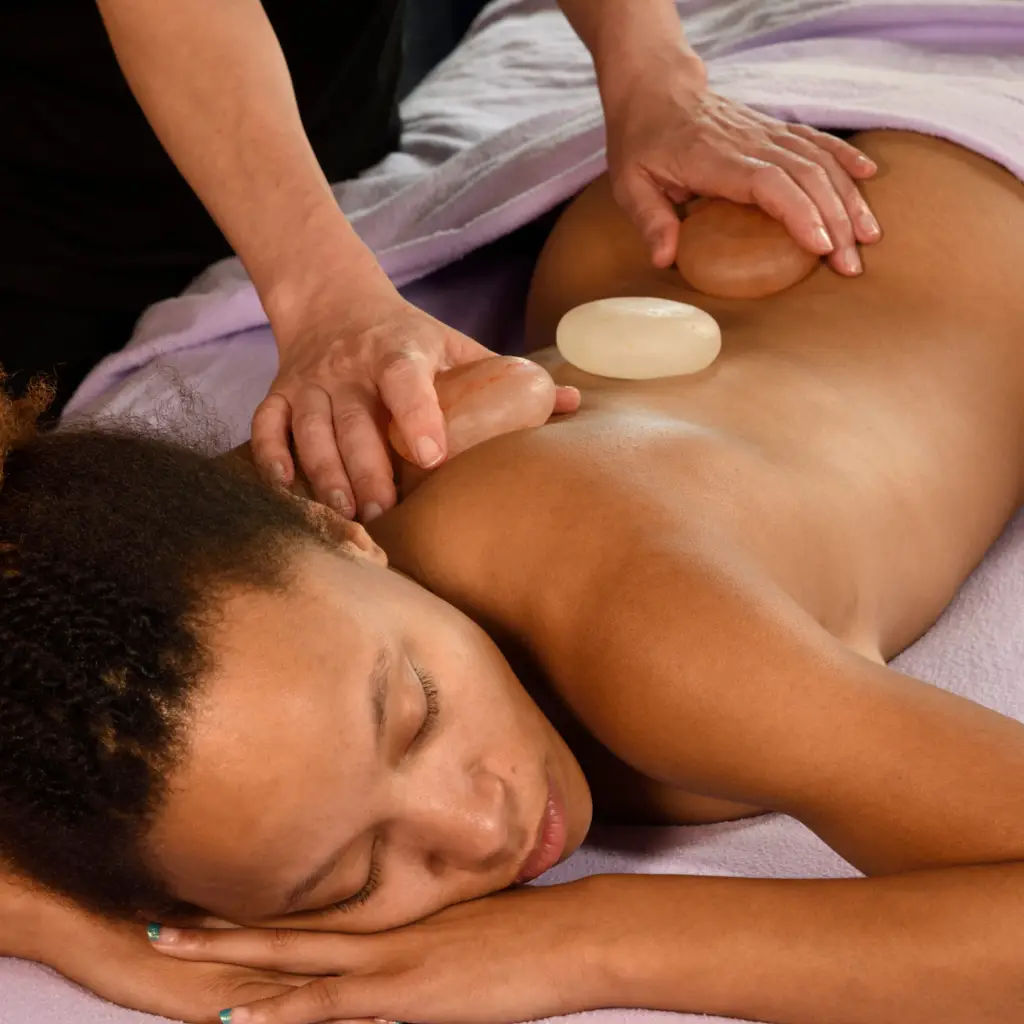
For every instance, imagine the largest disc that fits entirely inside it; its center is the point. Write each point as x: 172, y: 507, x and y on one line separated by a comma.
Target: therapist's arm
x: 670, y: 138
x: 623, y: 38
x: 212, y: 80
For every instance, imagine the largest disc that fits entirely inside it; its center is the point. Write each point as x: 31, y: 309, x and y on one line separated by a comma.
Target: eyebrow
x: 379, y: 708
x: 379, y: 675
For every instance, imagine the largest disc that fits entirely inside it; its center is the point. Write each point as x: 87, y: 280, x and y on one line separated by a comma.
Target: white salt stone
x: 638, y: 338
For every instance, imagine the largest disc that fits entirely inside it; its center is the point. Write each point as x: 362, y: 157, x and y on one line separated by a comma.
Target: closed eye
x: 373, y: 880
x: 433, y: 707
x: 372, y: 884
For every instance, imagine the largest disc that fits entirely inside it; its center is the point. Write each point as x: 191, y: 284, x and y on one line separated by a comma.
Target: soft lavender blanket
x: 503, y: 131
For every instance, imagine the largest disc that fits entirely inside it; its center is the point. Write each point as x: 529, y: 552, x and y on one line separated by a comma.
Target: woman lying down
x: 216, y: 703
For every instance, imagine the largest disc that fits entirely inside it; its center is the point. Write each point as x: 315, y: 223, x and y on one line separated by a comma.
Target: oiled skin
x: 848, y: 459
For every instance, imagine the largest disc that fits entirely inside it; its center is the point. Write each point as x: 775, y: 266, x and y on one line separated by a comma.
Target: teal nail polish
x: 153, y: 931
x: 225, y: 1016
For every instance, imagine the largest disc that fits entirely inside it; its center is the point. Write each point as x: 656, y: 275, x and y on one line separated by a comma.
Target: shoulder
x: 503, y: 527
x: 530, y: 529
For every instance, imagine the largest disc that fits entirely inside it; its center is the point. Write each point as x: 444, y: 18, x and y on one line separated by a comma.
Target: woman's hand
x: 116, y: 961
x: 343, y: 366
x: 518, y: 955
x: 670, y: 138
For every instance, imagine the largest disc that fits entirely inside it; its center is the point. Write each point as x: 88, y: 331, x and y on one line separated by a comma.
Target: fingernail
x: 277, y: 474
x: 338, y: 500
x: 428, y: 452
x: 823, y: 240
x: 371, y: 511
x: 851, y: 262
x: 165, y: 936
x: 225, y: 1016
x: 870, y: 226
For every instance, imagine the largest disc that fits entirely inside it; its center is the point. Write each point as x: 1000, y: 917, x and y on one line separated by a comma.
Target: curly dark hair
x: 112, y: 547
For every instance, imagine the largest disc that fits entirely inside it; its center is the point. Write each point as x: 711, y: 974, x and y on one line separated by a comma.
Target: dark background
x: 432, y: 30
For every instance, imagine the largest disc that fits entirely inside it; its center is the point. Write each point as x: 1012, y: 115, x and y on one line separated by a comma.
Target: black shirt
x: 93, y: 213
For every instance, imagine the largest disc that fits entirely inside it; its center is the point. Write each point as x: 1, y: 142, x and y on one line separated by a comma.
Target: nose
x: 460, y: 819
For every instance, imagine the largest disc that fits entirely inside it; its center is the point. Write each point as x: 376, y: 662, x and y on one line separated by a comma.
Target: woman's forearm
x: 935, y: 947
x: 213, y: 82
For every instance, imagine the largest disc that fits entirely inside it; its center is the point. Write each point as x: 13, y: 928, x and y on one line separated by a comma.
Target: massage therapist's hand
x: 670, y: 138
x: 349, y: 360
x: 519, y: 955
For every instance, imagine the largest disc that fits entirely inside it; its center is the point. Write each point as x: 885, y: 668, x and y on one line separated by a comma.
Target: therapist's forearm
x: 212, y: 80
x: 935, y: 947
x: 624, y: 36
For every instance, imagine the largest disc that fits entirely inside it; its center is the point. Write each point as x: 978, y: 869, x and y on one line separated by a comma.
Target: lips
x: 551, y: 839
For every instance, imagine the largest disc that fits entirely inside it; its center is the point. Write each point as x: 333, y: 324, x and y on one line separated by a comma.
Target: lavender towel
x: 505, y: 129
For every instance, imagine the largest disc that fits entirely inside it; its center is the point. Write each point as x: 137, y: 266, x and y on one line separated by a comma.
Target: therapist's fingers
x: 406, y: 382
x: 865, y: 227
x: 752, y: 180
x: 815, y: 182
x: 360, y: 440
x: 271, y: 429
x: 775, y: 191
x: 651, y: 211
x: 857, y: 164
x: 313, y: 427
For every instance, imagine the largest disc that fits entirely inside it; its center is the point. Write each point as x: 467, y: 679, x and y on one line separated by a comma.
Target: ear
x: 348, y: 536
x: 360, y: 544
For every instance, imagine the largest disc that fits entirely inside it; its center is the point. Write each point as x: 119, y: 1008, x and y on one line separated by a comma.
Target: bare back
x: 856, y: 448
x: 863, y: 439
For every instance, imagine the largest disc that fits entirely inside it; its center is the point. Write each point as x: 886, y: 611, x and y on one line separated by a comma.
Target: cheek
x: 485, y: 710
x: 499, y: 715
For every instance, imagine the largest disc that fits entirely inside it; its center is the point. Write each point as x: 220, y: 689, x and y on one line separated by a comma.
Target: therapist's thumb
x: 651, y: 212
x: 407, y: 389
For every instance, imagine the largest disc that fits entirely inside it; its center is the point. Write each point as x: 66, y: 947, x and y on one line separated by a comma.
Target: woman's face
x: 360, y: 756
